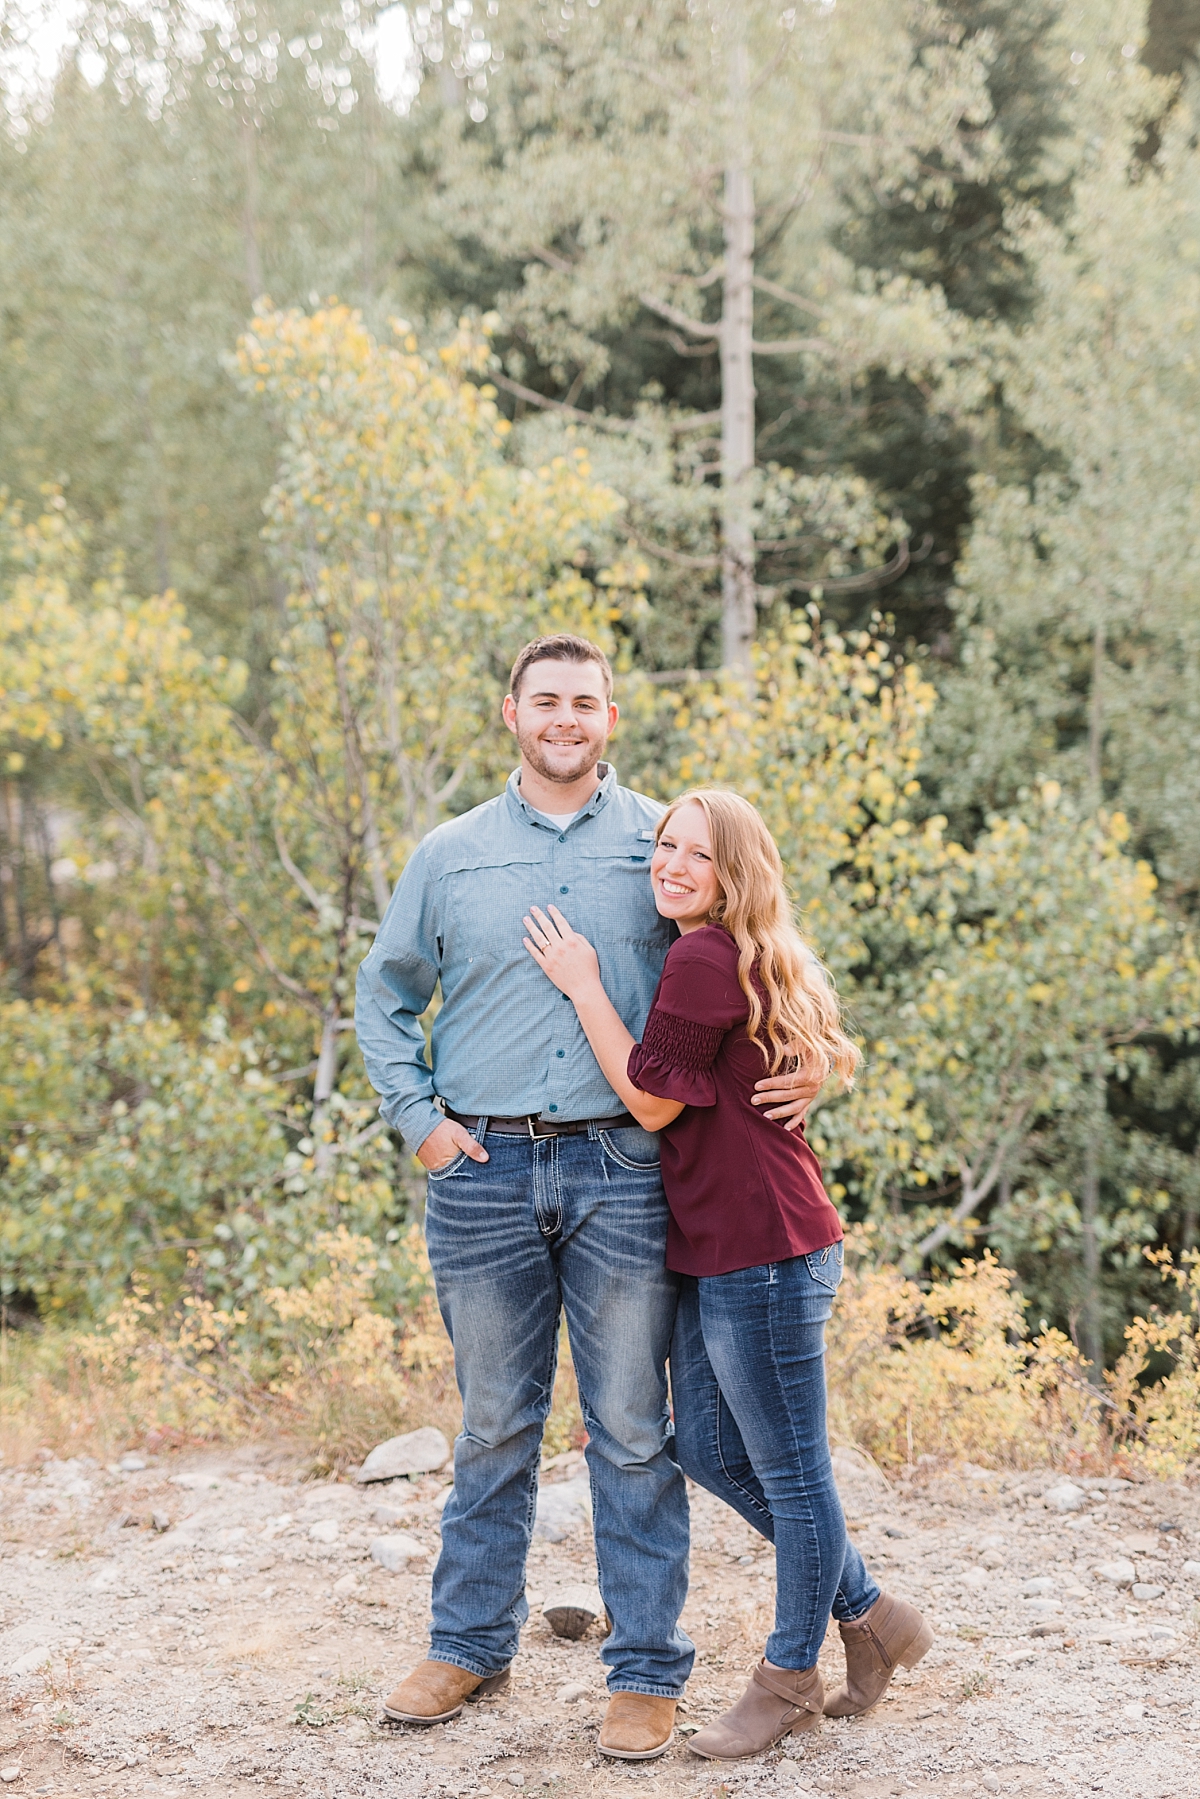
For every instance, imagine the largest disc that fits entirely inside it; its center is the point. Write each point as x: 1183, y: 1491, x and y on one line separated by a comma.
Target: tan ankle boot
x: 892, y: 1635
x: 777, y: 1702
x: 637, y: 1727
x: 437, y: 1691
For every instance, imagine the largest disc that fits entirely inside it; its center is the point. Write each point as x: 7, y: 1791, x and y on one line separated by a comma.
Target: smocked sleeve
x: 698, y: 1001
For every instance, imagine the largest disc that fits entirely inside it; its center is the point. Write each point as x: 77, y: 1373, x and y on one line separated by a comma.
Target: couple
x: 570, y: 1057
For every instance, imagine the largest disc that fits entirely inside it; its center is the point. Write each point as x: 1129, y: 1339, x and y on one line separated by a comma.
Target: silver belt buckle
x: 530, y: 1121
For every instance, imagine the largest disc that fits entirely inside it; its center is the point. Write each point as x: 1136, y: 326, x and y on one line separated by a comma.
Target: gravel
x: 237, y: 1653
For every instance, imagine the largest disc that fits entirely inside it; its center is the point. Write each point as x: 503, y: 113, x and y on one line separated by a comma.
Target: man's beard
x: 533, y: 751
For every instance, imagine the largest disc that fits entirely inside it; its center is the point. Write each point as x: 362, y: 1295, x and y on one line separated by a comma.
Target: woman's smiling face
x: 681, y: 869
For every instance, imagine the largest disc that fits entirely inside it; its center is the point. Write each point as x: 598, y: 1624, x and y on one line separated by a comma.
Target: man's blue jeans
x: 748, y: 1380
x: 575, y: 1224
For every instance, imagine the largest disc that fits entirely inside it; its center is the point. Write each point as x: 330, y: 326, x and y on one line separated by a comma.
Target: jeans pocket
x: 826, y: 1266
x: 632, y: 1153
x: 440, y: 1174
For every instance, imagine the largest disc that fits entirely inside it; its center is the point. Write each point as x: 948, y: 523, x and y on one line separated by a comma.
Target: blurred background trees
x: 837, y: 366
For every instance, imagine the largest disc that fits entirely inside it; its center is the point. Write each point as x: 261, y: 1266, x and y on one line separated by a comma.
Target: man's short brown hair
x: 561, y: 647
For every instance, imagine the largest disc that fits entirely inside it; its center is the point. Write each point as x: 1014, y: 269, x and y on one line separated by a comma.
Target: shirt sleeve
x: 699, y: 1000
x: 395, y: 985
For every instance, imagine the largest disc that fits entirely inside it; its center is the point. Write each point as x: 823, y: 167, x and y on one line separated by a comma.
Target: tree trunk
x: 1091, y: 1337
x: 737, y: 380
x: 323, y: 1085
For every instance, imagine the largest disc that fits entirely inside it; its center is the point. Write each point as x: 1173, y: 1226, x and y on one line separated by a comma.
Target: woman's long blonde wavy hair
x: 803, y: 1017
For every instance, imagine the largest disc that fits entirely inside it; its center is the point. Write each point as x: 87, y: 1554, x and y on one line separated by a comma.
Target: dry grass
x: 915, y: 1376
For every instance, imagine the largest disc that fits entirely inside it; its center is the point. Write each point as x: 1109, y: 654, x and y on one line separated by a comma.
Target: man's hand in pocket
x: 445, y: 1142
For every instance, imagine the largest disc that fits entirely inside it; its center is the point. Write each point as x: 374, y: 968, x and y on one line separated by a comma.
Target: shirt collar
x: 599, y: 799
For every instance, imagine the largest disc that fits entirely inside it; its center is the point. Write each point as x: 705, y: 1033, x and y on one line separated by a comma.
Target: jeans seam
x: 811, y: 1624
x: 750, y: 1498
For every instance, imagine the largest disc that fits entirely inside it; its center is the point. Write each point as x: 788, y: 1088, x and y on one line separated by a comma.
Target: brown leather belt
x: 530, y: 1125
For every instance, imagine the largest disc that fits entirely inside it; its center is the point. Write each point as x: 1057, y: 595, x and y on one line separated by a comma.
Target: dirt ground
x: 232, y: 1650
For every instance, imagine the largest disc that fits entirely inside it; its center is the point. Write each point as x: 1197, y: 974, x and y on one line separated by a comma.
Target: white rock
x: 389, y: 1514
x: 325, y: 1530
x: 1161, y: 1633
x: 976, y: 1578
x: 132, y: 1463
x: 991, y: 1558
x: 395, y: 1552
x: 347, y: 1584
x: 29, y: 1663
x: 421, y: 1451
x: 563, y: 1508
x: 573, y: 1691
x: 1120, y: 1572
x: 1041, y: 1583
x: 10, y: 1774
x: 1042, y: 1607
x: 443, y: 1499
x: 515, y: 1778
x: 1144, y: 1589
x: 1191, y: 1570
x: 1065, y: 1496
x: 1135, y: 1709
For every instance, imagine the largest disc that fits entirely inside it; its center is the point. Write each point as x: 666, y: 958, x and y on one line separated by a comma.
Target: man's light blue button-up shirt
x: 505, y: 1040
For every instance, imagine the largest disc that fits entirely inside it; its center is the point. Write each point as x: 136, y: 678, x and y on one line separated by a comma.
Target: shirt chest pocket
x: 610, y: 897
x: 485, y: 901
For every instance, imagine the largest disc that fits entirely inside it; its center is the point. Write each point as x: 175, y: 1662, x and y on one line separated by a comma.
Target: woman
x: 756, y: 1240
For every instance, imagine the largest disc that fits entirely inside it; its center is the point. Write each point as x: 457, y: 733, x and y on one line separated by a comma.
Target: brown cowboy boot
x: 437, y: 1691
x: 891, y: 1635
x: 777, y: 1701
x: 637, y: 1727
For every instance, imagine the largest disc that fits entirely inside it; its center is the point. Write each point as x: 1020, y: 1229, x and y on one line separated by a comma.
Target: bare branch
x: 533, y: 398
x: 552, y: 259
x: 676, y: 556
x: 793, y: 346
x: 263, y: 953
x: 674, y: 316
x: 872, y: 577
x: 302, y: 881
x: 785, y: 293
x: 698, y: 421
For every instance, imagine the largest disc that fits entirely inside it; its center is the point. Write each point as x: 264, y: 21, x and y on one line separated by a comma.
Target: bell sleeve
x: 698, y: 1002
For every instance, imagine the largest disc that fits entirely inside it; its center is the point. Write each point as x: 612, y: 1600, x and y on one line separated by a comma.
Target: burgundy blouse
x: 742, y: 1189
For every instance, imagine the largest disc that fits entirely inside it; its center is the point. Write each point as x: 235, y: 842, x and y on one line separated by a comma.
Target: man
x: 543, y: 1195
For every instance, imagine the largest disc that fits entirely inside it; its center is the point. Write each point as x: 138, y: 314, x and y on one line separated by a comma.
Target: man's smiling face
x: 562, y: 718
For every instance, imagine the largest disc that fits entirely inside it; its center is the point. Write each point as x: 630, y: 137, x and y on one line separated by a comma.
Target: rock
x: 1135, y: 1709
x: 1041, y: 1583
x: 443, y: 1498
x: 29, y: 1663
x: 394, y: 1553
x: 990, y: 1783
x: 562, y: 1509
x: 991, y: 1558
x: 1120, y: 1572
x: 1065, y: 1496
x: 347, y: 1584
x: 1143, y: 1589
x: 572, y: 1611
x: 1191, y: 1570
x: 421, y: 1451
x: 389, y: 1514
x: 160, y: 1521
x: 515, y: 1778
x: 1046, y: 1629
x: 325, y: 1530
x: 975, y: 1578
x: 573, y: 1691
x: 10, y: 1774
x: 993, y: 1540
x: 1042, y: 1607
x: 1141, y: 1542
x: 131, y: 1463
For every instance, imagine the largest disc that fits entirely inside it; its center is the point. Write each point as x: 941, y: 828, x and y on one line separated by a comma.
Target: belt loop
x: 593, y: 1131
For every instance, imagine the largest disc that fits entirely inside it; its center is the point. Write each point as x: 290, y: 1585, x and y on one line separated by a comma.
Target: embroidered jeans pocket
x: 826, y: 1266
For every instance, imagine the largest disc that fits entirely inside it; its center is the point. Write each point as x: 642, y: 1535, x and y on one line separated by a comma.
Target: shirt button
x: 554, y: 1108
x: 562, y: 839
x: 560, y: 1053
x: 564, y: 890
